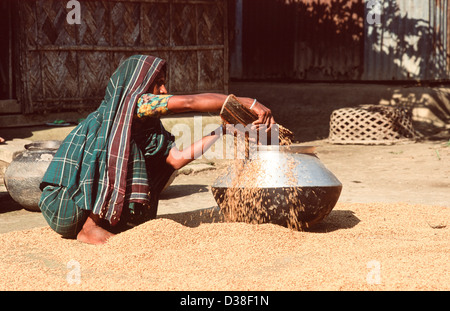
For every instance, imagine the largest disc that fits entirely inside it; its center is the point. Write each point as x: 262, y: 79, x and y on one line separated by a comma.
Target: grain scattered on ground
x: 357, y: 247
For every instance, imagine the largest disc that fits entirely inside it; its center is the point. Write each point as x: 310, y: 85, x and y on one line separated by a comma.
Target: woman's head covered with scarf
x: 93, y: 160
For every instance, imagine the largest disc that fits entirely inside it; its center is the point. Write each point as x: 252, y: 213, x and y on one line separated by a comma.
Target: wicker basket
x: 371, y: 124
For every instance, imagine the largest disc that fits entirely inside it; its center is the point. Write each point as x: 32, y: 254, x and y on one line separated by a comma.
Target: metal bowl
x: 289, y: 180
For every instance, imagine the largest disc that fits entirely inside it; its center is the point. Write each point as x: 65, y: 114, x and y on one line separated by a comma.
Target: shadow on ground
x: 177, y: 191
x: 7, y: 204
x: 336, y: 220
x: 195, y: 218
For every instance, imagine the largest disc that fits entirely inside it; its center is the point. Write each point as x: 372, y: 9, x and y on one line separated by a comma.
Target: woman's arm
x: 177, y: 159
x: 212, y: 102
x: 208, y: 102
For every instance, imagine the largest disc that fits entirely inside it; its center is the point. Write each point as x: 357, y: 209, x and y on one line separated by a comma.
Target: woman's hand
x: 265, y: 117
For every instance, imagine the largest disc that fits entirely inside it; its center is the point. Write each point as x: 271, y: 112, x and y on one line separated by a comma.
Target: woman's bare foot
x: 2, y: 140
x: 92, y: 232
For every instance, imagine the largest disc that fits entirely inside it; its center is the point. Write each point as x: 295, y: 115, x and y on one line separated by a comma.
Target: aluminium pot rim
x: 288, y: 149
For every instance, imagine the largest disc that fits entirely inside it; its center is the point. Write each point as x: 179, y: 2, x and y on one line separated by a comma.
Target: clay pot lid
x: 44, y: 144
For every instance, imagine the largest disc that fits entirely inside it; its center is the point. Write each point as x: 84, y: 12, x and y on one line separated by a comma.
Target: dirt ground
x: 394, y: 211
x: 416, y: 173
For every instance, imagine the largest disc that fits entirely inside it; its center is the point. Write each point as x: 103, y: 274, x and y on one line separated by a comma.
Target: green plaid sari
x: 105, y: 165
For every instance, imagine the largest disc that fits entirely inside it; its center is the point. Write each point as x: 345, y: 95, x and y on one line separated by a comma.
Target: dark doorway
x: 7, y: 85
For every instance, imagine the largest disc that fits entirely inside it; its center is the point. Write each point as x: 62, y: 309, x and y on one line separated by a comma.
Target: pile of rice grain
x: 357, y: 247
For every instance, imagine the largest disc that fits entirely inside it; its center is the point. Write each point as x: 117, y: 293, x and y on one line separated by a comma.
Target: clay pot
x: 288, y: 179
x: 24, y: 174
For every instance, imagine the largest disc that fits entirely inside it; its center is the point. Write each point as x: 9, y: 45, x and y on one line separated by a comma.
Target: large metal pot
x: 291, y: 187
x: 24, y: 174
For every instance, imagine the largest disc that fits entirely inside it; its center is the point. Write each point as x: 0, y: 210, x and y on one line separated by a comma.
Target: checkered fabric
x: 101, y: 165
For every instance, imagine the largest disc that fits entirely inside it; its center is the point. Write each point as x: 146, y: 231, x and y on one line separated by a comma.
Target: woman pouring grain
x: 110, y: 170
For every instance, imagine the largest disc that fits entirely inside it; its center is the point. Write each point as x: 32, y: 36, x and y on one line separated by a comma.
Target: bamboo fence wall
x: 66, y: 67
